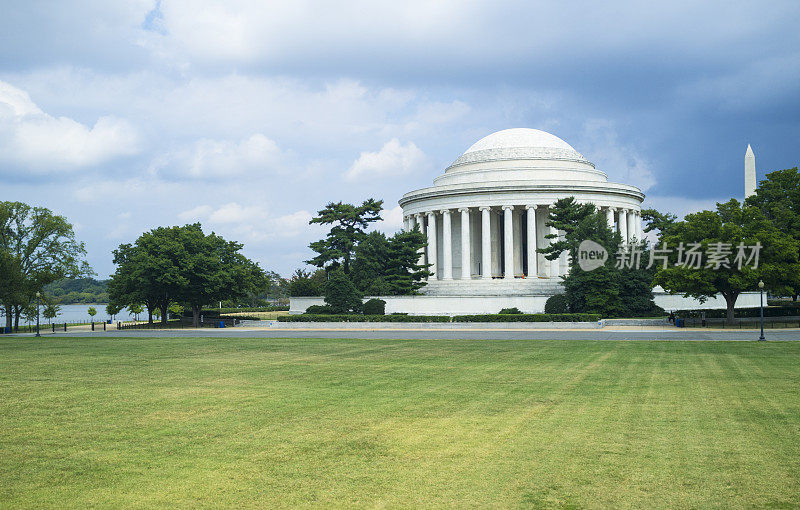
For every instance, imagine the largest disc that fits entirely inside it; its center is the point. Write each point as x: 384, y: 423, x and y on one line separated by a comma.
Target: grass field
x: 373, y: 423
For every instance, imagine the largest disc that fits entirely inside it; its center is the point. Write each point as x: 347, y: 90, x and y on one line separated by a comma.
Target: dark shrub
x: 320, y: 310
x: 375, y: 307
x: 556, y: 304
x: 363, y: 318
x: 529, y: 317
x: 341, y: 294
x: 510, y: 310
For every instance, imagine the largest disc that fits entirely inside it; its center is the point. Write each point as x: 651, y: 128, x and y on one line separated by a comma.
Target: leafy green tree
x: 37, y: 247
x: 214, y: 270
x: 371, y: 257
x: 778, y: 197
x: 389, y: 266
x: 657, y: 221
x: 349, y: 223
x: 730, y: 226
x: 113, y: 309
x: 609, y: 290
x: 50, y: 311
x: 305, y: 283
x: 182, y: 264
x: 135, y: 309
x: 146, y: 272
x: 341, y: 294
x: 92, y: 311
x: 404, y: 274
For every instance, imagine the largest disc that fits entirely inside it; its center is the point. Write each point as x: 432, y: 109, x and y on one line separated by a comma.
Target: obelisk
x: 749, y: 172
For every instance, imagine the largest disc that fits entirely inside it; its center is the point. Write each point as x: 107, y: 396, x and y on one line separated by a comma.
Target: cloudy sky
x: 250, y: 115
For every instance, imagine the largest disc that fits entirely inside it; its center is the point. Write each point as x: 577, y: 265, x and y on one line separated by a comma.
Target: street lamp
x: 761, y: 291
x: 38, y: 295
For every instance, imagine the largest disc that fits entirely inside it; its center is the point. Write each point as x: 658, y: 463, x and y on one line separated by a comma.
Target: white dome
x: 518, y: 138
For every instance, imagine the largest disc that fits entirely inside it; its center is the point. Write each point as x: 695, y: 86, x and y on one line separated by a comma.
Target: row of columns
x: 626, y: 221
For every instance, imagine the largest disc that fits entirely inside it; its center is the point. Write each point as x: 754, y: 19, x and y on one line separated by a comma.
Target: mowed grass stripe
x: 379, y: 423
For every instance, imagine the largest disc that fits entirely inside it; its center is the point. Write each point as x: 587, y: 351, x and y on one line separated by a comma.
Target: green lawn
x: 373, y: 423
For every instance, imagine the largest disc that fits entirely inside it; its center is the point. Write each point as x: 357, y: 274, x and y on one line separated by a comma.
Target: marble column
x: 533, y: 270
x: 610, y: 217
x: 466, y: 259
x: 623, y: 224
x: 632, y: 232
x: 508, y: 238
x: 554, y: 264
x: 486, y: 244
x: 432, y: 245
x: 639, y: 229
x: 447, y: 245
x: 421, y: 224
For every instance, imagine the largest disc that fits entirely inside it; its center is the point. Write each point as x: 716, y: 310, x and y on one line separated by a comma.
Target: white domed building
x: 485, y: 218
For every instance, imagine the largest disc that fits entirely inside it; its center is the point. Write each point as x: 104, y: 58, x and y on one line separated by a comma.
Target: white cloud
x: 199, y: 212
x: 394, y: 159
x: 251, y: 222
x: 392, y: 220
x: 40, y: 142
x: 218, y: 159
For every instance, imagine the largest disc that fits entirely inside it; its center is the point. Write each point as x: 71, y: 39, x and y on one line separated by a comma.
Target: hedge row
x: 529, y: 317
x: 363, y: 318
x: 534, y: 317
x: 218, y: 311
x: 719, y: 313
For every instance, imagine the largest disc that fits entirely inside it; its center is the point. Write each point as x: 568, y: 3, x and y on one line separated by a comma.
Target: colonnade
x: 509, y: 237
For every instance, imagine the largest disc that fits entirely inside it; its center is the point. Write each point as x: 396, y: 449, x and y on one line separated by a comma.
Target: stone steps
x: 494, y: 287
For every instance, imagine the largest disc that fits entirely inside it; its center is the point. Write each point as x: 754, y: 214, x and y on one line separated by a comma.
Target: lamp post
x: 38, y: 295
x: 761, y: 291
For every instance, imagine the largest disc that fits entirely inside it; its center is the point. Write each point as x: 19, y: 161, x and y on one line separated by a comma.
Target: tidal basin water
x: 79, y: 313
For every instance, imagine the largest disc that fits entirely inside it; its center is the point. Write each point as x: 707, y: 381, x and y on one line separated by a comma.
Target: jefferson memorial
x: 485, y: 218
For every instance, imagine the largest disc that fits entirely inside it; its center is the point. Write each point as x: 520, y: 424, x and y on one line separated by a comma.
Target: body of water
x: 79, y: 313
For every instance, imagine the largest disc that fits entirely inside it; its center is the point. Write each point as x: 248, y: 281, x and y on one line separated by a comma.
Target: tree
x: 349, y: 223
x: 731, y: 228
x: 175, y: 309
x: 778, y: 198
x: 113, y: 309
x: 50, y: 311
x: 305, y: 283
x: 341, y: 294
x: 371, y: 258
x: 135, y: 309
x: 404, y: 274
x: 92, y: 311
x: 149, y: 271
x: 657, y: 221
x: 182, y: 264
x: 612, y: 289
x: 389, y: 266
x: 37, y: 247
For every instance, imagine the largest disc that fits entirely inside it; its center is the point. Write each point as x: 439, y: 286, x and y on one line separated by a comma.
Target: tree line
x: 167, y: 267
x: 183, y: 267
